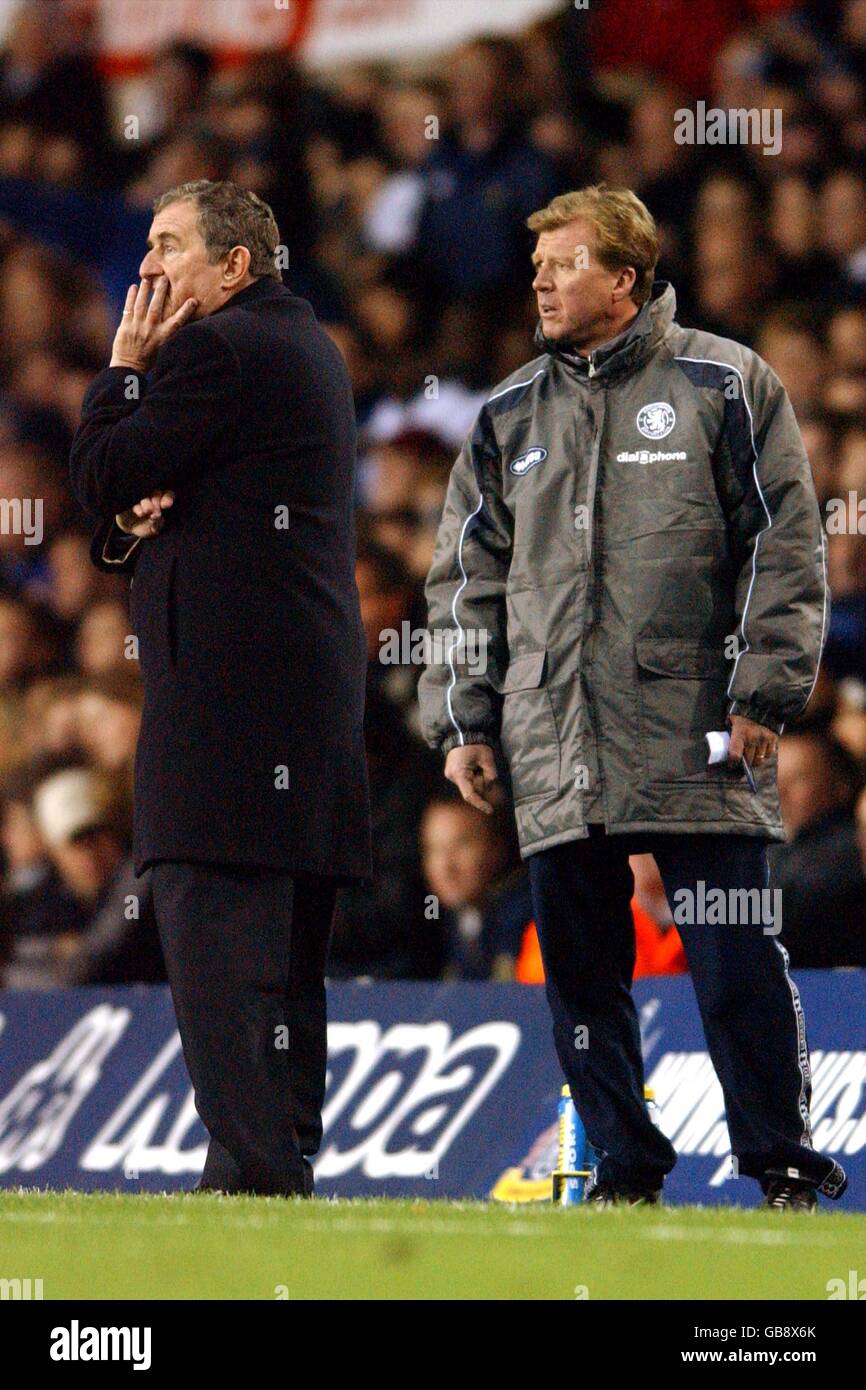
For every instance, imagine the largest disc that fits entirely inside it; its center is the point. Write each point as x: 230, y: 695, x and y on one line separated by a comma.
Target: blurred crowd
x: 401, y: 195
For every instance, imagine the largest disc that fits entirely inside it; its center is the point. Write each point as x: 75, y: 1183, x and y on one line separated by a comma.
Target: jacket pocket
x: 682, y: 695
x: 528, y: 731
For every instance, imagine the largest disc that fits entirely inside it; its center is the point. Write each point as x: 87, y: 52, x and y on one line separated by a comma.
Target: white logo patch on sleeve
x: 530, y: 459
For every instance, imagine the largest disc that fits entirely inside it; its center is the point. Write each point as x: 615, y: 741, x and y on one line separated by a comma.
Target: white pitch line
x: 739, y: 1237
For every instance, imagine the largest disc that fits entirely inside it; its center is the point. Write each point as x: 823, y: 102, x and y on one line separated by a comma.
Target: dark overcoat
x: 245, y: 606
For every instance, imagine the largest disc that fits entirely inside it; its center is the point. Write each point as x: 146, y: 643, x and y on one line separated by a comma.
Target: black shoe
x: 305, y: 1192
x: 606, y: 1195
x: 789, y: 1194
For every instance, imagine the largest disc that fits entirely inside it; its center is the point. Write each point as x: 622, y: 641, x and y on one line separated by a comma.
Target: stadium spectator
x: 54, y: 378
x: 49, y: 716
x: 820, y: 869
x: 404, y: 485
x: 409, y: 117
x: 35, y: 907
x: 51, y: 96
x: 382, y: 930
x: 108, y: 717
x: 846, y: 339
x: 27, y: 642
x: 849, y: 721
x: 804, y: 271
x: 730, y: 285
x: 481, y: 890
x: 102, y: 638
x: 69, y: 584
x: 658, y: 948
x: 790, y: 343
x: 389, y: 598
x: 843, y: 224
x: 820, y: 432
x: 483, y: 178
x: 845, y: 652
x: 173, y: 94
x: 192, y: 152
x: 103, y: 929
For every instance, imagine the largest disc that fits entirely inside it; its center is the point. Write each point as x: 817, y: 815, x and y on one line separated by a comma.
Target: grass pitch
x: 103, y: 1246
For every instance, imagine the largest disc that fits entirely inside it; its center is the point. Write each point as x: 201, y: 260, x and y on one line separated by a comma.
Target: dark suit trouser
x: 245, y: 951
x: 750, y: 1008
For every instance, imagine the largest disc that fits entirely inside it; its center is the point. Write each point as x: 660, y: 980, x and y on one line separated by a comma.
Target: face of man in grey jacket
x: 580, y: 300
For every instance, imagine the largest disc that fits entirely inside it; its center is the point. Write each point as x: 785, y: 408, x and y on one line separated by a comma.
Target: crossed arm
x: 138, y: 438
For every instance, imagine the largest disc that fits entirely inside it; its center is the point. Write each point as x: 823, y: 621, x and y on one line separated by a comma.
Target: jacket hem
x: 754, y: 829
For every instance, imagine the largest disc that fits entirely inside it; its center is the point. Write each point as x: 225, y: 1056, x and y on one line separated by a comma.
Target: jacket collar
x: 265, y: 287
x: 628, y: 349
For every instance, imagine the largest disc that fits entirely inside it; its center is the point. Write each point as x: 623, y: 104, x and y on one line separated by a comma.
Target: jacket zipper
x: 593, y: 579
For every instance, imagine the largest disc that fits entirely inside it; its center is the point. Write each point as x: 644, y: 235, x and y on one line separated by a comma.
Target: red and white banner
x: 323, y: 32
x: 348, y: 30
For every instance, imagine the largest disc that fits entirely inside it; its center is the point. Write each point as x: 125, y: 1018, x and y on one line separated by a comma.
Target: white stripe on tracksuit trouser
x: 749, y: 1006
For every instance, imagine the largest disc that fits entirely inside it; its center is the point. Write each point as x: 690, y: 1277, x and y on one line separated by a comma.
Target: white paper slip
x: 718, y: 744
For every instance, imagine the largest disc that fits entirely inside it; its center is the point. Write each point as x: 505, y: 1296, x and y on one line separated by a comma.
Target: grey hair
x: 230, y: 216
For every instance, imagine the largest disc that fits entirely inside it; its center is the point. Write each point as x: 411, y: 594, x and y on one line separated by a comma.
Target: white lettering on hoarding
x: 37, y: 1112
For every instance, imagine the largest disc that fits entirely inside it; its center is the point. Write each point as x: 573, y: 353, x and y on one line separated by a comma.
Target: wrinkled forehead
x: 563, y: 242
x: 177, y: 222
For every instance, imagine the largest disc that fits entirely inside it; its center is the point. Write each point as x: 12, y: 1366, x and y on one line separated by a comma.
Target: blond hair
x: 625, y: 229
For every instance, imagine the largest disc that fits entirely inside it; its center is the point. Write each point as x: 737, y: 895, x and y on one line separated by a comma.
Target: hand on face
x: 146, y: 324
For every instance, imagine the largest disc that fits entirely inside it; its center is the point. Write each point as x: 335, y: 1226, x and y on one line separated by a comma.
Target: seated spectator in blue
x: 845, y: 511
x: 483, y: 179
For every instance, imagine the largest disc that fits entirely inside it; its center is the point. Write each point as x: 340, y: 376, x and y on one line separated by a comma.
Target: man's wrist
x: 455, y: 741
x: 128, y: 365
x: 117, y: 548
x: 758, y: 714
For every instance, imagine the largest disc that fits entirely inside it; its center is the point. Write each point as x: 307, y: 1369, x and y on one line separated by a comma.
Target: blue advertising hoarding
x: 433, y: 1090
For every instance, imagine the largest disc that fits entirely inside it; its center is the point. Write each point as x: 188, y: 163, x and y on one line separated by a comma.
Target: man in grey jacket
x: 631, y: 557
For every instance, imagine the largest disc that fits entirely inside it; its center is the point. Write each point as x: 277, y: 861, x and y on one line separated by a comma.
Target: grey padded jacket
x: 630, y: 551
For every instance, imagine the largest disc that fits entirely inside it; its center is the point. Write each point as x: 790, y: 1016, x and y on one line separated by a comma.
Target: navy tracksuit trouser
x: 750, y: 1008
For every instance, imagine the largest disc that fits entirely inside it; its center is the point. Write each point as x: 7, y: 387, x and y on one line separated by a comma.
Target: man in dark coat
x: 218, y: 449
